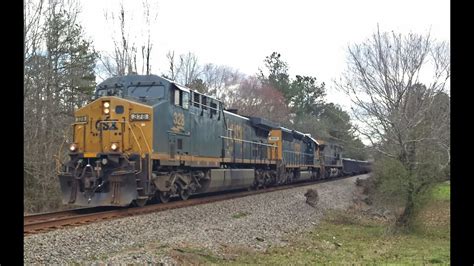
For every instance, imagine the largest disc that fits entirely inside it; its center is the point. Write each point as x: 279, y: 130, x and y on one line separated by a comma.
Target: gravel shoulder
x: 255, y: 223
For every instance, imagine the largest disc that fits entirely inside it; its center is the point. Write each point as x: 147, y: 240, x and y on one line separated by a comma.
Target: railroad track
x: 51, y: 220
x: 54, y: 220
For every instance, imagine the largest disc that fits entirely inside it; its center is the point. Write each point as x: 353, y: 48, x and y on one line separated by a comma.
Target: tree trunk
x: 404, y: 219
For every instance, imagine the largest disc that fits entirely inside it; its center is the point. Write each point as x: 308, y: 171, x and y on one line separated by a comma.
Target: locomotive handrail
x: 296, y: 159
x: 310, y: 154
x: 134, y: 137
x: 201, y: 105
x: 248, y: 141
x: 149, y: 153
x: 136, y: 140
x: 144, y: 138
x: 83, y: 135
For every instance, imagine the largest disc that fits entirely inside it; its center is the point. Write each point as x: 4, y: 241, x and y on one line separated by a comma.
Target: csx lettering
x: 110, y: 125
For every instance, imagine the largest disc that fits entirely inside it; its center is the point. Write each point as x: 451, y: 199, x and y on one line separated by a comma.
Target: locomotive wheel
x: 184, y: 194
x: 164, y: 196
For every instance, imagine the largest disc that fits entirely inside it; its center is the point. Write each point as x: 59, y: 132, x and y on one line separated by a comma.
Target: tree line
x: 59, y: 76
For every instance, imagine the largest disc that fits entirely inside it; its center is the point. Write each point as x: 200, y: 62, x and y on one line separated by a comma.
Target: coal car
x: 355, y: 167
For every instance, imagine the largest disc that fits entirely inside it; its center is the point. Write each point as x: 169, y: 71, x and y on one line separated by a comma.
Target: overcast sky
x: 312, y: 36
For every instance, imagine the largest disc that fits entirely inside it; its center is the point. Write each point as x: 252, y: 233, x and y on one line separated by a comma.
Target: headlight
x: 73, y: 147
x: 114, y: 146
x: 106, y: 106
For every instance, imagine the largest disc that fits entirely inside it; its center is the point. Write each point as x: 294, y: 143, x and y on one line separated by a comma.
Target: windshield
x: 156, y: 91
x: 110, y: 92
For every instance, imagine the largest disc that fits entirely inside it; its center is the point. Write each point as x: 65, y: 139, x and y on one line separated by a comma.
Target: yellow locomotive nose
x: 113, y: 124
x: 108, y: 132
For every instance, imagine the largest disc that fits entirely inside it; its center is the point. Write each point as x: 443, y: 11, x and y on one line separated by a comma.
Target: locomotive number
x: 178, y: 122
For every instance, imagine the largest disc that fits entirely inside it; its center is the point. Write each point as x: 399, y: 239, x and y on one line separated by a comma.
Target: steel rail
x: 50, y: 221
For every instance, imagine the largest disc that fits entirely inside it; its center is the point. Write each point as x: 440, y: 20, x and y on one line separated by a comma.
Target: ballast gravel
x: 255, y: 222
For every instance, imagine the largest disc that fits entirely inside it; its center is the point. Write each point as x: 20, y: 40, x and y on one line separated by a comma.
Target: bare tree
x: 186, y: 70
x: 123, y: 48
x: 150, y: 15
x: 125, y: 59
x: 211, y: 79
x: 219, y: 79
x: 32, y: 25
x: 173, y: 68
x: 32, y: 34
x: 383, y: 80
x: 189, y: 68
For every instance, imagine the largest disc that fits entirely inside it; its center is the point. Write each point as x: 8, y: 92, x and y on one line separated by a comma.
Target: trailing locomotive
x: 148, y: 137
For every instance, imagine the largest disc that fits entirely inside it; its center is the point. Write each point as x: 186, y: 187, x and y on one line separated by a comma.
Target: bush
x: 390, y: 181
x: 404, y: 192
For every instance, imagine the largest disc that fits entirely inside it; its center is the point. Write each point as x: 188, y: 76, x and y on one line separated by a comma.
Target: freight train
x: 147, y: 137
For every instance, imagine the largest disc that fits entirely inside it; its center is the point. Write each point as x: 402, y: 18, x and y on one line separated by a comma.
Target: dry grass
x: 350, y: 237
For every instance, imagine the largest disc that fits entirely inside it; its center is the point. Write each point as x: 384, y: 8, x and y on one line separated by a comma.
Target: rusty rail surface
x: 55, y: 220
x: 31, y: 218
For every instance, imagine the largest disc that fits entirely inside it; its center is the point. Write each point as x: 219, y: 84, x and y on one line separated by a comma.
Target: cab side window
x: 181, y: 98
x: 197, y: 100
x: 185, y: 100
x: 177, y: 97
x: 204, y: 102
